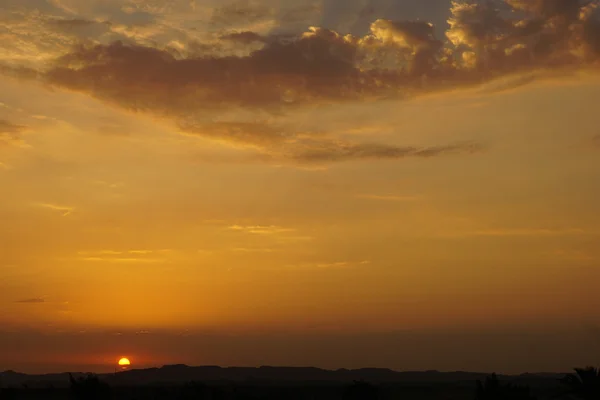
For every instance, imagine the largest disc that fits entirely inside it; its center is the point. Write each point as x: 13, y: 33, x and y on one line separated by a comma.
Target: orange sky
x: 254, y: 173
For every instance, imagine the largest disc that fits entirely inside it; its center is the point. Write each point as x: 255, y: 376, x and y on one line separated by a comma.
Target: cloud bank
x: 486, y: 40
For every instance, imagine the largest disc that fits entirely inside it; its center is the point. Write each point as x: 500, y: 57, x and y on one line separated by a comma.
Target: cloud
x: 526, y: 232
x: 245, y: 37
x: 551, y: 33
x: 387, y: 197
x: 71, y: 23
x: 78, y: 28
x: 340, y: 264
x: 329, y: 151
x: 253, y: 250
x: 142, y: 252
x: 119, y: 252
x: 261, y: 229
x: 123, y: 260
x: 484, y: 44
x: 36, y: 300
x: 19, y: 72
x: 415, y: 36
x: 314, y: 66
x: 123, y: 256
x: 256, y: 133
x: 332, y: 265
x: 10, y: 134
x: 64, y: 210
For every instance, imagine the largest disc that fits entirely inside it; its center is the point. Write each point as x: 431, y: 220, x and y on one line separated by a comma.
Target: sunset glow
x: 337, y: 183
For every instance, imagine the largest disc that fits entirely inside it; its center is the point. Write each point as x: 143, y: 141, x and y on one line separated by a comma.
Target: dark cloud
x: 395, y: 59
x: 10, y: 133
x: 323, y: 65
x: 36, y: 300
x: 546, y: 33
x: 283, y: 144
x: 324, y: 151
x: 143, y: 78
x: 245, y: 37
x: 417, y: 37
x: 319, y: 65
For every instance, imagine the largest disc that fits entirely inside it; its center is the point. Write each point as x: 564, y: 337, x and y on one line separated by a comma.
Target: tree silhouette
x: 492, y: 389
x: 584, y: 384
x: 89, y: 387
x: 360, y: 390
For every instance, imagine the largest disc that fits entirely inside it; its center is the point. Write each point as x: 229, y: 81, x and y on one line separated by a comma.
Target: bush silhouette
x: 493, y: 389
x: 584, y: 384
x: 89, y: 387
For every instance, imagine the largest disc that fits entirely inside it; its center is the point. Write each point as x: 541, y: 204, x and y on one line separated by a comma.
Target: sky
x: 333, y: 183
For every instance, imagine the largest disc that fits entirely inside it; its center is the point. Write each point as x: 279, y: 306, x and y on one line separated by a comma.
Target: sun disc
x: 124, y: 362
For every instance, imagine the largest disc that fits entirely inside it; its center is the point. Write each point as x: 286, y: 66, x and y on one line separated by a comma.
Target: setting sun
x: 124, y: 362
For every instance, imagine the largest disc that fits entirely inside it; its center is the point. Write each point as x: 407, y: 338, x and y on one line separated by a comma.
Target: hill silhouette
x: 178, y: 374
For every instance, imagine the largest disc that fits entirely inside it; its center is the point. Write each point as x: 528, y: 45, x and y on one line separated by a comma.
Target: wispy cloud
x: 253, y: 250
x: 64, y: 210
x: 124, y: 256
x: 35, y: 300
x: 100, y: 253
x: 10, y: 134
x: 141, y: 252
x: 331, y: 265
x: 119, y: 260
x: 507, y: 232
x: 387, y: 197
x: 9, y: 127
x: 295, y: 238
x: 339, y: 264
x: 261, y: 229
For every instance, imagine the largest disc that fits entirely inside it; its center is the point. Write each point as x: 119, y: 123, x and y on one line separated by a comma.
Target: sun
x: 124, y: 362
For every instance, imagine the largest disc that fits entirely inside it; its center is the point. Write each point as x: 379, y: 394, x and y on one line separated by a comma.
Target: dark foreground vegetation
x: 583, y: 384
